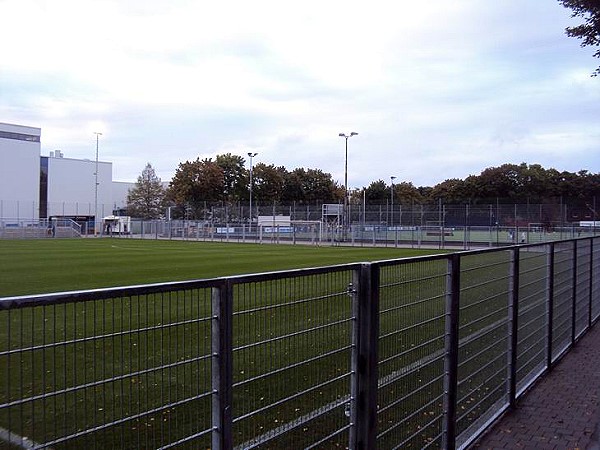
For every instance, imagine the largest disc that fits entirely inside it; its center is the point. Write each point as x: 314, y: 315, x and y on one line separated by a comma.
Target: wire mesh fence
x: 595, y: 282
x: 291, y: 361
x: 563, y: 300
x: 116, y: 372
x: 531, y: 315
x: 484, y: 222
x: 413, y: 353
x: 583, y: 276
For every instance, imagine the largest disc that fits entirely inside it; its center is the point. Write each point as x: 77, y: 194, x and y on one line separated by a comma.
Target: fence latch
x: 351, y: 291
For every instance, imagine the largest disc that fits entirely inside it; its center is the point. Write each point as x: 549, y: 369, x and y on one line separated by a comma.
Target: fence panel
x: 595, y: 284
x: 129, y: 372
x: 533, y: 315
x: 582, y: 286
x: 292, y: 346
x: 484, y: 338
x: 411, y: 354
x: 563, y: 298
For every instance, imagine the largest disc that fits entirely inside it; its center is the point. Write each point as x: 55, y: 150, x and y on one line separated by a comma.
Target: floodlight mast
x: 96, y: 187
x: 392, y: 201
x: 251, y: 155
x: 346, y: 136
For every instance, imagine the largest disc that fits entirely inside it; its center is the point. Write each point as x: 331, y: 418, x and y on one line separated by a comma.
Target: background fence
x: 496, y: 212
x: 417, y: 353
x: 357, y: 235
x: 316, y: 233
x: 36, y: 229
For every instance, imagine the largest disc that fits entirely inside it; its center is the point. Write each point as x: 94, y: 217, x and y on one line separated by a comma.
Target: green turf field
x: 43, y: 266
x: 139, y: 367
x: 134, y: 354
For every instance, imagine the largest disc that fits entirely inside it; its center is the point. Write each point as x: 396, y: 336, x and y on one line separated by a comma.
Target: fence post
x: 514, y: 324
x: 451, y: 352
x: 550, y: 291
x: 222, y: 362
x: 363, y: 415
x: 574, y: 293
x: 591, y: 282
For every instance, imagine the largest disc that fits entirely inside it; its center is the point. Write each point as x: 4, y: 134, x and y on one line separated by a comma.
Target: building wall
x: 19, y: 172
x: 71, y: 187
x: 34, y: 186
x: 120, y: 190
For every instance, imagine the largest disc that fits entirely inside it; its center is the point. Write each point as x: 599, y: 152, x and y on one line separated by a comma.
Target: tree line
x: 225, y: 180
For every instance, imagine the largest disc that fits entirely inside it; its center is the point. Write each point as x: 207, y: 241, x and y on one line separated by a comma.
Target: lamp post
x: 392, y: 201
x: 346, y: 136
x: 251, y: 155
x: 96, y: 187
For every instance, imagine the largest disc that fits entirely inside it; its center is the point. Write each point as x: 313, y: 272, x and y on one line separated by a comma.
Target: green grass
x: 300, y: 320
x: 132, y: 354
x: 43, y: 266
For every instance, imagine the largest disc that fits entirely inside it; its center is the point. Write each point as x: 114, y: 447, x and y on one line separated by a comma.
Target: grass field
x: 121, y: 371
x: 43, y: 266
x: 139, y: 367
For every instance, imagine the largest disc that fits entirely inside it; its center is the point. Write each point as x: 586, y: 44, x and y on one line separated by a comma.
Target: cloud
x: 436, y: 90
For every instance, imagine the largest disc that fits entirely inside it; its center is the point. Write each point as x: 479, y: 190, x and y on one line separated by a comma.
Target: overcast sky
x: 436, y: 90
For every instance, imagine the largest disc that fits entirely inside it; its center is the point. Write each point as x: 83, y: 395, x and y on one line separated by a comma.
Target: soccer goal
x: 277, y: 228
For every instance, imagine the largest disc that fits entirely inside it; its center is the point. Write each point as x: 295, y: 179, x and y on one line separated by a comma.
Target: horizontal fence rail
x: 415, y: 353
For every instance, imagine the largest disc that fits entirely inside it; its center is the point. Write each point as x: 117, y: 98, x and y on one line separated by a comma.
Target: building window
x: 43, y: 187
x: 19, y: 136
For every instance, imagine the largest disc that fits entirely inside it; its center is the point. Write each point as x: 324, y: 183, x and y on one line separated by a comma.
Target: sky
x: 435, y: 90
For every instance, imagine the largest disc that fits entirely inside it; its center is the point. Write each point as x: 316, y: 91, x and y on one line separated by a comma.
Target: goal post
x: 275, y: 228
x: 308, y: 229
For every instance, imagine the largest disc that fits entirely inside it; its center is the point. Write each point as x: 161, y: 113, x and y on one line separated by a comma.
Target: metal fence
x: 356, y: 235
x: 413, y: 353
x: 484, y: 222
x: 36, y: 229
x: 309, y: 233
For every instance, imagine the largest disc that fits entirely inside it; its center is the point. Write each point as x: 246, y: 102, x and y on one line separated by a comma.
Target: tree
x: 267, y: 182
x: 319, y: 186
x: 146, y: 200
x: 196, y: 182
x: 292, y: 188
x: 589, y: 31
x: 235, y: 184
x: 449, y: 191
x: 377, y: 192
x: 406, y: 193
x: 501, y: 182
x: 311, y: 185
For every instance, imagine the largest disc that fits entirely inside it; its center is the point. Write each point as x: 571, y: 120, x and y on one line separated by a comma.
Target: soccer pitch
x: 55, y: 265
x: 136, y: 371
x: 99, y: 363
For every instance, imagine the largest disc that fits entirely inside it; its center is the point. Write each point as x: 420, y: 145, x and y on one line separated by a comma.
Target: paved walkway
x: 562, y: 411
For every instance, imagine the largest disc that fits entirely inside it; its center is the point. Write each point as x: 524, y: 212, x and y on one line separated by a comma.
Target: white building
x: 120, y: 189
x: 72, y: 187
x: 34, y: 187
x: 19, y: 171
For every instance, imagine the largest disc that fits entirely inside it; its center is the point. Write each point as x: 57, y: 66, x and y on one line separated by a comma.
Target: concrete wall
x: 119, y: 193
x: 19, y: 171
x: 71, y: 187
